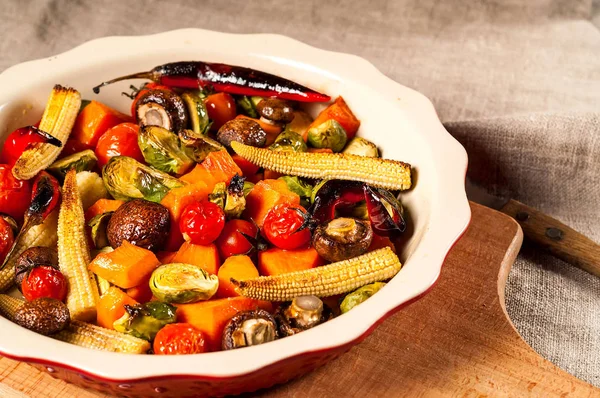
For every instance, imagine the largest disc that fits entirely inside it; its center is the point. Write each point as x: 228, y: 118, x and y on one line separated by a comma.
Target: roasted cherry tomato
x: 232, y: 242
x: 220, y: 108
x: 44, y: 281
x: 17, y: 142
x: 285, y: 226
x: 144, y: 90
x: 121, y: 140
x: 202, y: 222
x: 179, y: 339
x: 7, y: 239
x: 15, y: 195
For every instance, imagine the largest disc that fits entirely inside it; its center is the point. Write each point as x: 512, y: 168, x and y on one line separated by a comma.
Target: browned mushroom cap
x: 162, y: 108
x: 275, y: 110
x: 243, y: 130
x: 140, y: 222
x: 31, y: 258
x: 302, y: 313
x: 248, y: 328
x: 342, y: 238
x: 43, y: 315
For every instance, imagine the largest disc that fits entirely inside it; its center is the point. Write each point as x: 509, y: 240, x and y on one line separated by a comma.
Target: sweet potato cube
x: 265, y: 195
x: 277, y: 261
x: 93, y: 121
x: 111, y: 307
x: 237, y: 267
x: 205, y: 257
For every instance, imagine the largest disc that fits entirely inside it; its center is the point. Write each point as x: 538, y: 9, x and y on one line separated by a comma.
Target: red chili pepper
x: 226, y: 78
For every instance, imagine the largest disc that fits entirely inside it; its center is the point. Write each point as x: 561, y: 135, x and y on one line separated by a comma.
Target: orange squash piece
x: 211, y: 316
x: 93, y: 121
x: 221, y: 166
x: 238, y: 267
x: 277, y: 261
x: 205, y: 257
x: 340, y: 112
x: 141, y: 293
x: 271, y: 130
x: 178, y: 198
x: 110, y: 307
x: 248, y: 168
x: 127, y: 266
x: 379, y: 242
x: 102, y: 206
x: 265, y: 195
x: 199, y: 174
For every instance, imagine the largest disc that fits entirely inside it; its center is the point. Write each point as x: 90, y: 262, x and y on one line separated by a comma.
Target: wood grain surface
x: 559, y: 239
x: 457, y: 341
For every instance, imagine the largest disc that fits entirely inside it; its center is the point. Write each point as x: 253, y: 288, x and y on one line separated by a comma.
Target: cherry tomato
x: 15, y: 195
x: 144, y: 90
x: 232, y: 242
x: 220, y: 108
x: 7, y: 239
x: 179, y: 339
x: 44, y: 281
x: 17, y: 142
x: 121, y: 140
x: 202, y: 222
x: 282, y: 226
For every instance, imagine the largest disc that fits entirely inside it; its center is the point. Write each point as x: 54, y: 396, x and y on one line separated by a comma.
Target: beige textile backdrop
x: 517, y: 82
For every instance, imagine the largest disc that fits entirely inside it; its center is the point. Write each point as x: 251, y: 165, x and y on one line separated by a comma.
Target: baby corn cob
x: 58, y: 120
x: 91, y: 188
x: 44, y: 234
x: 74, y: 255
x: 85, y: 334
x: 382, y: 173
x: 328, y: 280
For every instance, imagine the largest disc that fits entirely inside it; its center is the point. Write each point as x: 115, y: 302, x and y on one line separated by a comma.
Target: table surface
x: 456, y: 341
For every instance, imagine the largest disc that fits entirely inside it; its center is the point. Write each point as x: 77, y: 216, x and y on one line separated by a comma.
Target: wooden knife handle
x: 560, y: 240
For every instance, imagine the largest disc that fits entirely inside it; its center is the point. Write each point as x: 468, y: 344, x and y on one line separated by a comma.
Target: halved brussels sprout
x: 163, y: 150
x: 197, y: 112
x: 289, y: 141
x: 182, y: 283
x: 98, y: 229
x: 198, y: 146
x: 145, y: 320
x: 247, y: 107
x: 359, y: 295
x: 360, y: 146
x: 230, y: 198
x: 299, y: 187
x: 329, y: 134
x: 80, y: 161
x: 125, y: 178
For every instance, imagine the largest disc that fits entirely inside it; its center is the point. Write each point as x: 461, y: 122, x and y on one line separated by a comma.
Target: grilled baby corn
x: 328, y: 280
x: 382, y: 173
x: 58, y: 120
x: 85, y: 334
x: 74, y: 255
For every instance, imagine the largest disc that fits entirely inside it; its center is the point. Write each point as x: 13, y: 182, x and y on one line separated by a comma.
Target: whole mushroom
x: 162, y: 108
x: 342, y: 238
x: 302, y: 313
x: 275, y: 111
x: 249, y: 328
x: 43, y: 315
x: 243, y: 130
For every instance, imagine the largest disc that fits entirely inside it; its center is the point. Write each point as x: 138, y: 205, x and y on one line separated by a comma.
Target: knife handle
x: 560, y: 240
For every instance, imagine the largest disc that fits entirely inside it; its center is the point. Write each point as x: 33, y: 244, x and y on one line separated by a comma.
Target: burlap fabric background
x: 517, y: 82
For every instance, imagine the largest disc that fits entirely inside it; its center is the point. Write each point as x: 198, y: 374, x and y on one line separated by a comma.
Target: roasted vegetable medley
x: 217, y: 214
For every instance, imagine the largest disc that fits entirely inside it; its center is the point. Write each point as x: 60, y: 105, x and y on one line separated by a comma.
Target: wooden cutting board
x: 456, y: 341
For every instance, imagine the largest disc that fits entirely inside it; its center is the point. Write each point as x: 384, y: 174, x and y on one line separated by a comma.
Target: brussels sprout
x: 329, y: 134
x: 299, y: 187
x: 248, y: 187
x: 359, y: 295
x: 163, y: 150
x: 360, y: 146
x: 197, y: 112
x: 198, y: 146
x: 231, y: 199
x: 98, y: 226
x: 289, y: 141
x: 80, y: 161
x: 247, y: 107
x: 145, y: 320
x: 125, y: 178
x: 182, y: 283
x: 300, y: 123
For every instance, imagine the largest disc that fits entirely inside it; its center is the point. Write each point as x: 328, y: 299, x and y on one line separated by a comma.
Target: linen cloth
x: 516, y: 82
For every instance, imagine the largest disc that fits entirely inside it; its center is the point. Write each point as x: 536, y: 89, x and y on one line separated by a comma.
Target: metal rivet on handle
x: 522, y: 216
x: 554, y: 233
